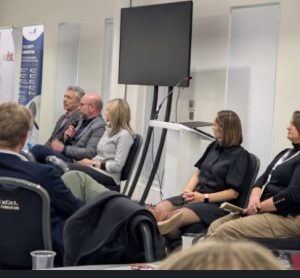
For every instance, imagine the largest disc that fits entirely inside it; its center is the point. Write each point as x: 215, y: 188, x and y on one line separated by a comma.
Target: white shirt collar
x: 14, y: 153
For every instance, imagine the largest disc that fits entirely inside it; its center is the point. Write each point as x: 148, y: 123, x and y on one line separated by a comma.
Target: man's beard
x: 84, y: 116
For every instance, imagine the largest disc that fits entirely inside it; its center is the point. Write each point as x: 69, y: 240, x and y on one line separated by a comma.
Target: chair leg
x: 147, y: 242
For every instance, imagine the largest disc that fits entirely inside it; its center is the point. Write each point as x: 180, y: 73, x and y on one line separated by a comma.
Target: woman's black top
x: 284, y: 185
x: 221, y: 168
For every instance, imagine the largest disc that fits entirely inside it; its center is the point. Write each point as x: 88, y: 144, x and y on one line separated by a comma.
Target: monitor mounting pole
x: 146, y: 145
x: 159, y: 150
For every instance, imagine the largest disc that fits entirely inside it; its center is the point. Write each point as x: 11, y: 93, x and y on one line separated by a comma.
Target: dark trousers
x: 40, y: 153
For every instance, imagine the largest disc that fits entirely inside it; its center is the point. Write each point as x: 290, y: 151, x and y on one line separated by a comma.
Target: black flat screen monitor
x: 155, y: 44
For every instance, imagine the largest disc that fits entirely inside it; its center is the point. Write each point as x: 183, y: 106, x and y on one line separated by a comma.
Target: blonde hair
x: 231, y: 128
x: 119, y: 116
x: 221, y: 255
x: 15, y: 123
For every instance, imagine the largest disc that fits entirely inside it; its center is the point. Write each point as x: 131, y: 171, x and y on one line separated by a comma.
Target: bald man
x: 80, y: 141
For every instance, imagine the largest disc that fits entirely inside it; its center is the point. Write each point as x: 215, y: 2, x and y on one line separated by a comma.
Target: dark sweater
x: 284, y: 185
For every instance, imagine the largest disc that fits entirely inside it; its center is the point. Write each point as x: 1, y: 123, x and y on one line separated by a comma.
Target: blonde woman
x: 221, y: 255
x: 112, y: 149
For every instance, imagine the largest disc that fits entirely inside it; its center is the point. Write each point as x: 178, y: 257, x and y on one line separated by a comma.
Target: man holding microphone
x: 80, y: 139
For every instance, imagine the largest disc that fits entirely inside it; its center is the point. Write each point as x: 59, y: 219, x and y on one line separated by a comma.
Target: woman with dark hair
x: 274, y: 206
x: 218, y: 178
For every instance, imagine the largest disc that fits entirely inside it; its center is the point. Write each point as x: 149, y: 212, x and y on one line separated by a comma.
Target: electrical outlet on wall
x: 191, y: 115
x: 191, y: 104
x: 191, y: 107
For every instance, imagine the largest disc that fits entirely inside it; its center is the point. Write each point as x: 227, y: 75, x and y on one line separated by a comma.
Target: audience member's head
x: 229, y: 127
x: 221, y: 255
x: 118, y: 115
x: 72, y: 98
x: 15, y: 124
x: 90, y: 106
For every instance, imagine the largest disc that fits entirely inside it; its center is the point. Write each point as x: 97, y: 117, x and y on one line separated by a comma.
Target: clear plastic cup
x: 187, y: 241
x: 42, y: 259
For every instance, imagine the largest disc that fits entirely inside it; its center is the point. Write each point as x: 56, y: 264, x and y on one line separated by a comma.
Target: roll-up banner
x: 31, y: 74
x: 7, y: 66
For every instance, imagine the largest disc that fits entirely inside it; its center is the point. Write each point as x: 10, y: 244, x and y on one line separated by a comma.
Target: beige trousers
x: 265, y: 225
x: 82, y: 185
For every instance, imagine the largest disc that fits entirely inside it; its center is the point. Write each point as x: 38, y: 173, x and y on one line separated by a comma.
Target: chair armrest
x: 58, y: 163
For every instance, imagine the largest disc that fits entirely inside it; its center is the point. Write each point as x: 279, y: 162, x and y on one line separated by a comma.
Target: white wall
x: 251, y: 75
x: 288, y: 65
x: 209, y: 54
x: 210, y: 57
x: 91, y: 14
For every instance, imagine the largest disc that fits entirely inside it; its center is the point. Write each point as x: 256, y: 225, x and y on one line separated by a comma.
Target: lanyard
x: 280, y: 161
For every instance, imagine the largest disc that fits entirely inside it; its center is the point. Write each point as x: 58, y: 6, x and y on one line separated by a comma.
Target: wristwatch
x: 206, y: 198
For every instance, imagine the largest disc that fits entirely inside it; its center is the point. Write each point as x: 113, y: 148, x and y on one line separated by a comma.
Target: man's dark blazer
x: 61, y: 127
x: 63, y: 202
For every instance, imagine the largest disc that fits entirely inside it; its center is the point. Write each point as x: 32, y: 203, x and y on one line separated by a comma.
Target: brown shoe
x: 167, y: 226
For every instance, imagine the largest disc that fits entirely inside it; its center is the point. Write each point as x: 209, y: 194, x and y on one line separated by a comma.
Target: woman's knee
x: 73, y: 177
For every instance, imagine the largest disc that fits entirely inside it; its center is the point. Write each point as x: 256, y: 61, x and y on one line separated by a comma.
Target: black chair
x: 117, y: 231
x: 28, y: 155
x: 146, y: 234
x: 131, y: 160
x: 241, y: 201
x: 279, y: 243
x: 24, y: 222
x: 60, y: 165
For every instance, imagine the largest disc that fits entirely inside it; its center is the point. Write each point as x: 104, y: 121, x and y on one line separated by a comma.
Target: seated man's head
x: 72, y: 98
x: 15, y: 124
x: 90, y: 106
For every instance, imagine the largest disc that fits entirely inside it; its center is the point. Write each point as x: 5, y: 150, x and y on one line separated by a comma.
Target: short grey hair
x: 79, y: 92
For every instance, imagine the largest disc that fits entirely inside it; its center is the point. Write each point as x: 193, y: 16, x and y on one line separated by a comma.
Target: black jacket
x: 63, y: 202
x: 284, y: 185
x: 106, y: 231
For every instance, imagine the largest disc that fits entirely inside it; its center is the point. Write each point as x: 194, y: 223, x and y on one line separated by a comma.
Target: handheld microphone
x: 73, y: 123
x: 170, y: 93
